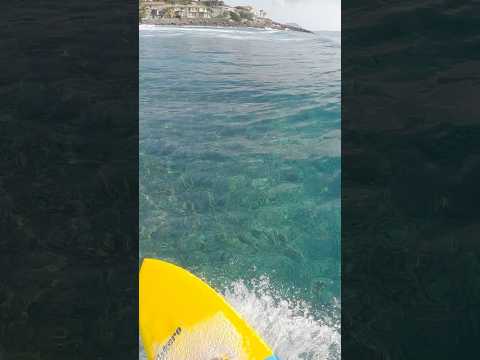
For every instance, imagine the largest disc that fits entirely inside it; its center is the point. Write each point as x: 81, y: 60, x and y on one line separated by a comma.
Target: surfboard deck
x: 182, y: 318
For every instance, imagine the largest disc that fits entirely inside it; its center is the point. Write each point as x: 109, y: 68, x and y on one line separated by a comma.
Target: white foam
x: 288, y: 326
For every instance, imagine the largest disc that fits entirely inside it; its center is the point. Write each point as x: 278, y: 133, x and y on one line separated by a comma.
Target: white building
x: 260, y: 13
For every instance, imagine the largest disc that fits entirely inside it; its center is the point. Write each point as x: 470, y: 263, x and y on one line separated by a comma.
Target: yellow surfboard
x: 182, y: 318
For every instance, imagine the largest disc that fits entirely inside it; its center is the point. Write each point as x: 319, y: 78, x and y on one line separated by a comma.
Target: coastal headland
x: 207, y: 13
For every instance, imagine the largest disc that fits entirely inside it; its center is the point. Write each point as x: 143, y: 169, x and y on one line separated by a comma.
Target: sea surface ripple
x: 240, y: 173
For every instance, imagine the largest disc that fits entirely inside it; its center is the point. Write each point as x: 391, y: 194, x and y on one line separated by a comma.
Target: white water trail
x: 288, y: 326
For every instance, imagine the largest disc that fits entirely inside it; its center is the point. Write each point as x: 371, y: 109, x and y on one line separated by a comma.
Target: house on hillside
x: 260, y: 13
x: 182, y: 12
x: 245, y: 8
x: 195, y: 12
x: 195, y: 9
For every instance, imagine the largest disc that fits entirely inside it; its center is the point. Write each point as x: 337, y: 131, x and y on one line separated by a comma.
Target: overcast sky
x: 310, y: 14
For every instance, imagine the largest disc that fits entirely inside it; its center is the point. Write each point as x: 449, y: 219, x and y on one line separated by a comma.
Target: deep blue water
x: 240, y: 158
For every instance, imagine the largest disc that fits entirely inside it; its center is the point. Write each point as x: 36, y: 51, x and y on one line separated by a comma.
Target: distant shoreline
x: 224, y: 23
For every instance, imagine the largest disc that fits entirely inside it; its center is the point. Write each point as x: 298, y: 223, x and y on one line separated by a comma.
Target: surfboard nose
x: 180, y: 313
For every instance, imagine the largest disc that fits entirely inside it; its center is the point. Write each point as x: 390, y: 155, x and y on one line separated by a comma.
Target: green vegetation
x: 170, y: 13
x: 241, y: 15
x: 246, y: 15
x: 178, y: 2
x: 142, y: 10
x: 213, y: 3
x: 234, y: 16
x: 223, y: 16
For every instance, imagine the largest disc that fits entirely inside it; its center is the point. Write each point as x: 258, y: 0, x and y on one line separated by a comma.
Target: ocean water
x: 240, y: 173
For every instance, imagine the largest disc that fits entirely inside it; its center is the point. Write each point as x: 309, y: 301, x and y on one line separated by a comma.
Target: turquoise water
x: 240, y: 173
